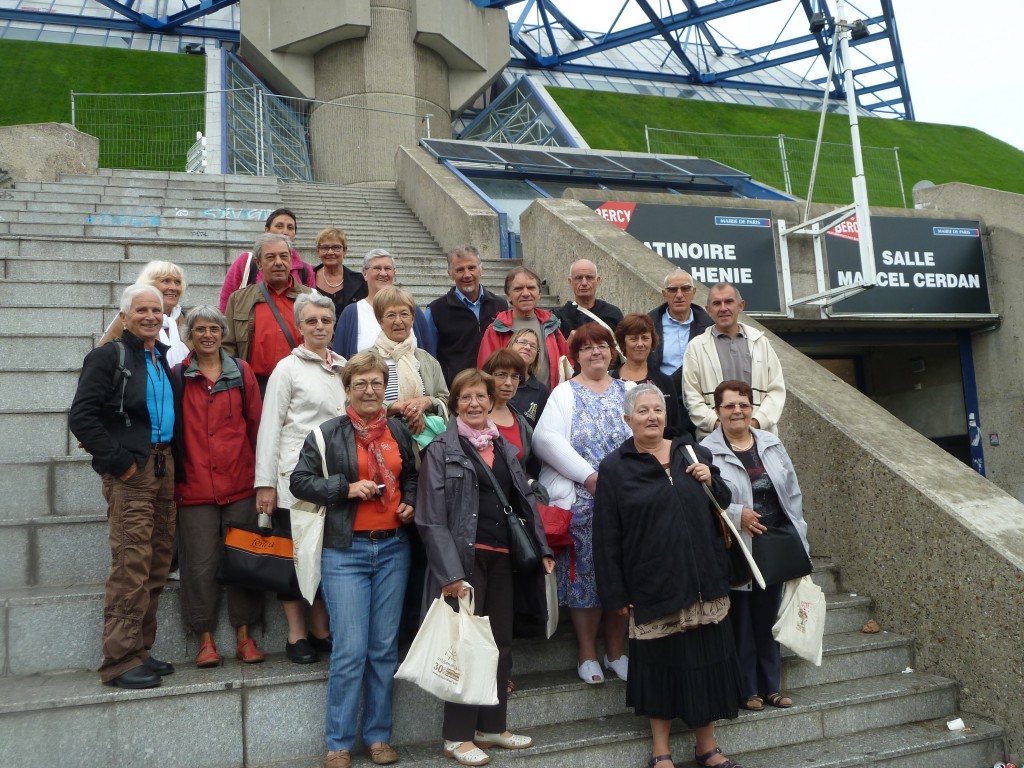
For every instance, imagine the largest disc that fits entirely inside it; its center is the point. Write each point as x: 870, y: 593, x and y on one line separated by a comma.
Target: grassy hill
x: 36, y: 80
x: 939, y: 153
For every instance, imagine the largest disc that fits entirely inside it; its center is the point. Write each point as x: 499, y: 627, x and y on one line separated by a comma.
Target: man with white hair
x: 123, y: 413
x: 585, y: 306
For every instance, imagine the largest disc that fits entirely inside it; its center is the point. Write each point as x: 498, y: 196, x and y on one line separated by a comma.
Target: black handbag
x: 521, y: 546
x: 780, y: 554
x: 258, y: 558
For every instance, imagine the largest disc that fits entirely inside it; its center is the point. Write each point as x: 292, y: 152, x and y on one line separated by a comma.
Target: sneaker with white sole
x: 619, y: 666
x: 590, y: 669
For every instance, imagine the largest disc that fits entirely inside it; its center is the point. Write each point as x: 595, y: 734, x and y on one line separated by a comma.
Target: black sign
x: 713, y: 244
x: 923, y: 267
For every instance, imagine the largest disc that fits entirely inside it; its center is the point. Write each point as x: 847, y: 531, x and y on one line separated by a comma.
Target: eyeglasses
x: 362, y: 386
x: 591, y: 347
x: 582, y: 278
x: 735, y: 406
x: 332, y: 248
x: 403, y: 315
x: 313, y: 322
x: 679, y: 289
x: 467, y: 399
x: 199, y: 330
x: 526, y: 344
x: 506, y: 376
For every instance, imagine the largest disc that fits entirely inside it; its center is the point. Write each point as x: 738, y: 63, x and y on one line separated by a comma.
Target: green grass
x: 36, y: 80
x: 939, y: 153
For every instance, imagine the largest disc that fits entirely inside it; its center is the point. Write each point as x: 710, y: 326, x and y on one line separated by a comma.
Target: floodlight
x: 817, y: 22
x: 858, y: 30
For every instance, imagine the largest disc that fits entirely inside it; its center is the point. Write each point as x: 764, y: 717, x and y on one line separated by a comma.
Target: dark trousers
x: 201, y: 530
x: 492, y: 585
x: 140, y: 519
x: 753, y: 614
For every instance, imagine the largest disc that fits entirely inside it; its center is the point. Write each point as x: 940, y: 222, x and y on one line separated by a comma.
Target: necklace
x: 334, y: 285
x: 747, y: 447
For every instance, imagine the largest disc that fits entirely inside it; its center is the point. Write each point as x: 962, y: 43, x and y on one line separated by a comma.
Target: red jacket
x: 499, y: 332
x: 218, y: 437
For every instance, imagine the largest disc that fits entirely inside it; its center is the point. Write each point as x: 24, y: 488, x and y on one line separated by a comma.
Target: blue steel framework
x: 536, y: 28
x: 545, y: 37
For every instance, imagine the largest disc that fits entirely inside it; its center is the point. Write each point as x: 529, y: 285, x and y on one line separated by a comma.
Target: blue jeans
x: 363, y: 587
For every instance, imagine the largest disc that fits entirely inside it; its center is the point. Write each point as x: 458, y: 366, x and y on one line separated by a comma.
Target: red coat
x: 218, y: 438
x: 499, y: 332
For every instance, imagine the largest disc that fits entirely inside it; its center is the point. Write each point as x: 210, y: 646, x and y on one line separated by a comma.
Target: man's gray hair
x: 207, y: 313
x: 463, y: 252
x: 673, y: 273
x: 266, y: 239
x: 139, y: 290
x: 377, y: 253
x: 722, y: 287
x: 317, y: 300
x: 577, y: 261
x: 629, y: 403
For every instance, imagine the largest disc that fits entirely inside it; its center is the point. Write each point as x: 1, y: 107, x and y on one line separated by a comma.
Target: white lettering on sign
x: 616, y: 215
x: 695, y: 251
x: 919, y: 279
x: 712, y: 275
x: 908, y: 259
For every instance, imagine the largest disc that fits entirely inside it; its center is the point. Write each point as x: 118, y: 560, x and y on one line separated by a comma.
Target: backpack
x: 120, y: 377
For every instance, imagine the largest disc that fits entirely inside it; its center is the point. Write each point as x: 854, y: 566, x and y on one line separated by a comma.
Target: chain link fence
x: 785, y: 163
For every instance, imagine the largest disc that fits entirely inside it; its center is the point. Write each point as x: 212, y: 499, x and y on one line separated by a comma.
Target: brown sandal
x: 660, y: 759
x: 780, y: 701
x: 755, y: 703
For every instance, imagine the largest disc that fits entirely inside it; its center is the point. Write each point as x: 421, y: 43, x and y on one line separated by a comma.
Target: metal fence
x: 246, y: 130
x: 784, y: 162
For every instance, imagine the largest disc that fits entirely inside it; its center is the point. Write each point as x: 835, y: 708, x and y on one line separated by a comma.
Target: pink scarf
x: 480, y: 439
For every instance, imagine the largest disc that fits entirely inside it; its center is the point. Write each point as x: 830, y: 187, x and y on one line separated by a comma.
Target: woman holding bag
x: 766, y: 500
x: 468, y: 477
x: 369, y: 493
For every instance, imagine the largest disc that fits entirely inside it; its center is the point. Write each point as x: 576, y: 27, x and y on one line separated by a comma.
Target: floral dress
x: 597, y: 430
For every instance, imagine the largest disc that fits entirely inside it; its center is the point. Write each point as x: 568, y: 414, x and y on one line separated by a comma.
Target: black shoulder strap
x: 277, y: 316
x: 121, y: 376
x: 245, y: 409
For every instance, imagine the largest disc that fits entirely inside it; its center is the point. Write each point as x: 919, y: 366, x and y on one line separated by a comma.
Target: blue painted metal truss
x: 134, y: 20
x: 546, y: 37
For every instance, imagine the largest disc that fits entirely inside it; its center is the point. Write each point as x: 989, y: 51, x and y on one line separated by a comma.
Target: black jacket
x: 308, y: 482
x: 458, y: 330
x: 657, y: 543
x: 701, y: 322
x: 572, y: 318
x: 673, y: 425
x: 115, y: 430
x: 353, y: 289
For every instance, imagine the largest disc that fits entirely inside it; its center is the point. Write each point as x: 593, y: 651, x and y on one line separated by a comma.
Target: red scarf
x: 368, y: 435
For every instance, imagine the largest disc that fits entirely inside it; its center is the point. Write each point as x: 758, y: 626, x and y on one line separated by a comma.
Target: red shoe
x: 248, y: 652
x: 208, y: 656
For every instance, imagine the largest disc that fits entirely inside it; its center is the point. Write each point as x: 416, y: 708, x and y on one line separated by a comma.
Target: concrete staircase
x: 59, y: 278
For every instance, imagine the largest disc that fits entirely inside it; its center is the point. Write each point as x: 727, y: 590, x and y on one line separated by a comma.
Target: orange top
x: 269, y: 345
x: 375, y: 514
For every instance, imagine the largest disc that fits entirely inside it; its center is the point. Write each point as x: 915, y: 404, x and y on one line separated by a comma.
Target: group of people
x: 422, y: 430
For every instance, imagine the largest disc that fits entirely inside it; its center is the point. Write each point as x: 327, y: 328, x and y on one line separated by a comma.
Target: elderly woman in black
x: 465, y: 472
x: 660, y: 560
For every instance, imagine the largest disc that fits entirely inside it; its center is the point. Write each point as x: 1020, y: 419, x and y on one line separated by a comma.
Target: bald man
x: 584, y: 281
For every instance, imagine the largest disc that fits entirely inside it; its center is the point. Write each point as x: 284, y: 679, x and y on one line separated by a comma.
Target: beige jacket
x: 702, y: 373
x: 301, y: 394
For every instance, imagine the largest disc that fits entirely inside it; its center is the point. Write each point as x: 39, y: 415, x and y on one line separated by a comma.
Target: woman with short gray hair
x: 219, y: 418
x: 358, y: 327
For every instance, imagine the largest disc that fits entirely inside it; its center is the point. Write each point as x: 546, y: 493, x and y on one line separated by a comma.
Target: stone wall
x: 939, y: 548
x: 43, y: 151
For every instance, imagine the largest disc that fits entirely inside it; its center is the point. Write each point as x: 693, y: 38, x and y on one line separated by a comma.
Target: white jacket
x: 702, y: 373
x: 301, y: 394
x: 562, y: 467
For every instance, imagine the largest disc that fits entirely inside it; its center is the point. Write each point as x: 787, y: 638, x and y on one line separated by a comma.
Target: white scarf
x: 169, y: 336
x: 410, y: 384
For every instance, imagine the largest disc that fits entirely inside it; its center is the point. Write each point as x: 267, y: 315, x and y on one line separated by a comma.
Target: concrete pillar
x: 371, y: 59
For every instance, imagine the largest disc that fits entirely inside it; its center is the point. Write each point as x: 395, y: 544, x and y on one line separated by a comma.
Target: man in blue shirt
x: 123, y: 413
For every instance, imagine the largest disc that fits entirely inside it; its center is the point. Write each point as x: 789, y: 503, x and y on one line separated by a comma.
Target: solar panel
x: 459, y: 150
x: 647, y: 166
x: 698, y: 167
x: 520, y: 156
x: 589, y: 162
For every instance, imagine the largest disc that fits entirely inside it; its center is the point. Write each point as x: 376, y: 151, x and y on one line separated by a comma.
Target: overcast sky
x: 962, y: 59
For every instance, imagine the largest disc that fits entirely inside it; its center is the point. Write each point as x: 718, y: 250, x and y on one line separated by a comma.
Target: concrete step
x: 27, y: 390
x: 33, y: 487
x: 559, y: 714
x: 34, y: 351
x: 84, y: 293
x: 47, y: 430
x: 179, y: 250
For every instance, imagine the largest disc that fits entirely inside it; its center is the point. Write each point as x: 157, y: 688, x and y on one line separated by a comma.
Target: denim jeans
x: 363, y: 587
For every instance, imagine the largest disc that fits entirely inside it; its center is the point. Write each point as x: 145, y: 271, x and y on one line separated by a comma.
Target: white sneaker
x: 590, y: 669
x: 620, y: 666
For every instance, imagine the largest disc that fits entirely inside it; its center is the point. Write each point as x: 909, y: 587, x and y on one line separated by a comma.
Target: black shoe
x: 300, y: 652
x: 136, y: 678
x: 321, y: 644
x: 158, y: 667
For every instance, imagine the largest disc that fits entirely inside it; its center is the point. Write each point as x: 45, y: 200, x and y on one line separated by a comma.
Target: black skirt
x: 690, y: 675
